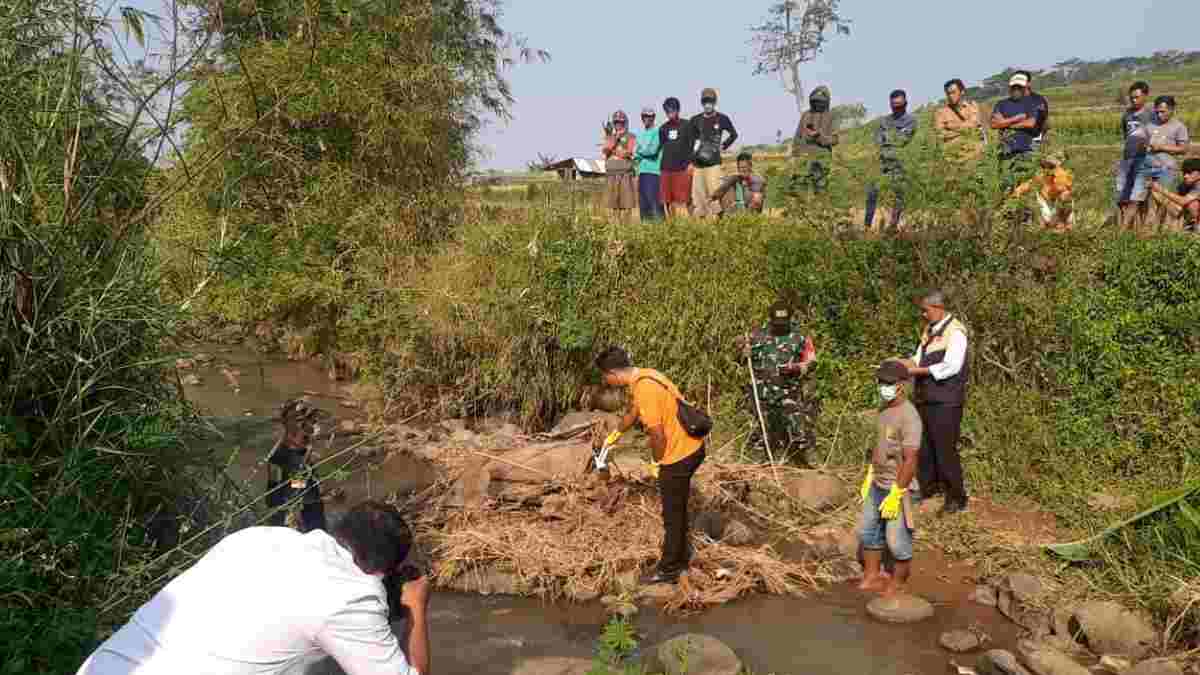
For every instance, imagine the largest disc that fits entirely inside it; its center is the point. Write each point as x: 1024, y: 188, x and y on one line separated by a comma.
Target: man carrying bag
x: 676, y: 431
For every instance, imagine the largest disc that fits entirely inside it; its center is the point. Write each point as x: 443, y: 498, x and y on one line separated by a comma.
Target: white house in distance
x: 576, y: 168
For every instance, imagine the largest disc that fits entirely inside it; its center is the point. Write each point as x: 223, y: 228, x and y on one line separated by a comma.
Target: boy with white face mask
x: 887, y: 517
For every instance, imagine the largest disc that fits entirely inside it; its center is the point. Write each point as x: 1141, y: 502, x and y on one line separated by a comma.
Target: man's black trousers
x: 939, y: 461
x: 674, y: 485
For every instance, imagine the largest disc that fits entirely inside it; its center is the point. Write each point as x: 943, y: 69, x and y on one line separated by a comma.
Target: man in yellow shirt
x: 1055, y: 195
x: 654, y: 401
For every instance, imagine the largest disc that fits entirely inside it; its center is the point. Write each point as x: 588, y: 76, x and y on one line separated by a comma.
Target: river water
x: 827, y: 632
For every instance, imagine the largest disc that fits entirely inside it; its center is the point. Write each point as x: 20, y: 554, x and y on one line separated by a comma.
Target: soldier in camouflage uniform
x: 781, y: 356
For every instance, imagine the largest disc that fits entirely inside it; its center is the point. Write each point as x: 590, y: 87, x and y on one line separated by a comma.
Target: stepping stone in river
x: 900, y: 608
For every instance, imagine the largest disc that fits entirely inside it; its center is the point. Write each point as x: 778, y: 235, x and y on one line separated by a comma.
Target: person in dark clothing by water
x: 675, y: 139
x: 895, y: 131
x: 941, y: 368
x: 291, y: 476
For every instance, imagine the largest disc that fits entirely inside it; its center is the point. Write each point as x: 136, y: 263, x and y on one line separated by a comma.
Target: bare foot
x: 873, y: 584
x: 892, y: 587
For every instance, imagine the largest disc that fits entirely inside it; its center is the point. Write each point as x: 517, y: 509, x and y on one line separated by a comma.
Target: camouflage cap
x: 821, y: 93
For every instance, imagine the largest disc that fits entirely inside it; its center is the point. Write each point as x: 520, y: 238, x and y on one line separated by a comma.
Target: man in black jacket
x: 714, y: 133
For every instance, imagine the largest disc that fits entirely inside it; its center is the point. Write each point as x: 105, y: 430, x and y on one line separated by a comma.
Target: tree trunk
x: 798, y: 87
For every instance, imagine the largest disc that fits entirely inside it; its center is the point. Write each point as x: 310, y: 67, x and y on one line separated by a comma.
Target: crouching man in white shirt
x: 270, y: 600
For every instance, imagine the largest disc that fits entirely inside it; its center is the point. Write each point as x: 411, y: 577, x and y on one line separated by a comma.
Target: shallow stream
x: 829, y: 632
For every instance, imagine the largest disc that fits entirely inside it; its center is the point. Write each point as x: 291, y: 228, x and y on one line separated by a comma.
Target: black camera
x: 394, y: 585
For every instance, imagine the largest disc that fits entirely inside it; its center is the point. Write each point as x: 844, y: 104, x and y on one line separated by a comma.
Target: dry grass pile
x: 580, y: 537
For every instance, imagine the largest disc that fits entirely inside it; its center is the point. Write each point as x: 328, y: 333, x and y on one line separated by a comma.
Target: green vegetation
x: 88, y: 426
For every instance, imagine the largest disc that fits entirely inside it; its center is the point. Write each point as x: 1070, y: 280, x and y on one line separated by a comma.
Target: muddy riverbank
x: 827, y: 631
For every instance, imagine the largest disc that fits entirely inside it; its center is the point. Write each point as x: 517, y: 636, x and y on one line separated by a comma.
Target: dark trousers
x: 650, y: 197
x: 312, y: 513
x: 938, y: 461
x: 674, y: 485
x: 873, y: 198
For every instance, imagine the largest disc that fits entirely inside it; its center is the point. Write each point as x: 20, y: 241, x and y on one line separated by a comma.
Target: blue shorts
x: 1133, y: 179
x: 875, y: 533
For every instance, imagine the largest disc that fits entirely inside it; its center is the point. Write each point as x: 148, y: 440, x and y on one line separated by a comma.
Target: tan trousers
x: 705, y: 184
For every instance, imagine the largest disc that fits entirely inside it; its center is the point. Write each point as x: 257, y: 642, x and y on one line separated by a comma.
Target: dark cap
x: 891, y: 372
x: 780, y: 314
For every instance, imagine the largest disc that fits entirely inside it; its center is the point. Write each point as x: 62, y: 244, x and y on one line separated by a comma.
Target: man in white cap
x: 649, y: 167
x: 1016, y: 118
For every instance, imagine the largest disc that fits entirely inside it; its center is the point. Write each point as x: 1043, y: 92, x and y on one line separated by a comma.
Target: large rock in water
x: 960, y: 641
x: 1109, y: 628
x: 900, y: 608
x: 1000, y: 662
x: 1045, y: 660
x: 692, y: 654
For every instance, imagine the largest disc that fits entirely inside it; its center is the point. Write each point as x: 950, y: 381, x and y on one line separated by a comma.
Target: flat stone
x: 1108, y: 628
x: 692, y: 654
x: 487, y: 581
x: 1000, y: 662
x: 1114, y: 664
x: 1043, y: 659
x: 1157, y: 667
x: 960, y: 641
x: 984, y: 595
x: 900, y: 608
x: 552, y: 665
x: 1025, y: 587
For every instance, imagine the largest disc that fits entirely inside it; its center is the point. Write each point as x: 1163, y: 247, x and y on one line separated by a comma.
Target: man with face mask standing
x: 714, y: 133
x: 895, y: 131
x: 941, y: 367
x: 887, y: 517
x: 812, y: 151
x: 780, y: 357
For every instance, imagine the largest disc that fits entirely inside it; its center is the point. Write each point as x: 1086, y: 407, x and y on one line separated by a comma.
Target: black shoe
x: 953, y: 506
x: 660, y: 578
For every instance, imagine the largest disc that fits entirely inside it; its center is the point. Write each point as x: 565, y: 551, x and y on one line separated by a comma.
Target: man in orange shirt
x: 1054, y: 192
x: 654, y: 401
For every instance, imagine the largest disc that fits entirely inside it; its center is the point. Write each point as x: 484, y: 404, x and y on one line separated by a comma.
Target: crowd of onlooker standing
x: 674, y: 168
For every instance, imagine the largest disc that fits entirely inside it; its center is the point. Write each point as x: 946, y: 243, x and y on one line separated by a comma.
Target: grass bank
x: 1084, y: 344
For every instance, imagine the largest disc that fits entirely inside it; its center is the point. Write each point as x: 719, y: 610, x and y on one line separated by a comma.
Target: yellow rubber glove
x: 652, y: 469
x: 866, y: 486
x: 890, y: 508
x: 612, y: 438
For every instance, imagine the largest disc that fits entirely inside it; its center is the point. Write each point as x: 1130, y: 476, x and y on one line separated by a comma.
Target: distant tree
x: 542, y: 162
x: 848, y: 115
x: 794, y: 33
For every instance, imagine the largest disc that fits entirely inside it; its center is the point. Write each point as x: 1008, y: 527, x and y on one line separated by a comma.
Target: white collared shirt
x: 956, y: 352
x: 263, y: 601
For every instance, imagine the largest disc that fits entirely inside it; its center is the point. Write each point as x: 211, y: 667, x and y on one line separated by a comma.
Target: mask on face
x: 710, y: 108
x: 888, y: 392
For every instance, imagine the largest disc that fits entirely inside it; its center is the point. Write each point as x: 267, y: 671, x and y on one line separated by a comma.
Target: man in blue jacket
x: 895, y: 131
x: 649, y: 163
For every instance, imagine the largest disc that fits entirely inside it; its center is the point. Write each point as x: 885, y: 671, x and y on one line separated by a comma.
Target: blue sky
x: 609, y: 55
